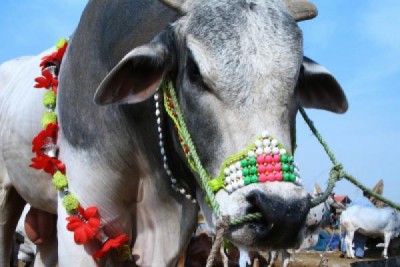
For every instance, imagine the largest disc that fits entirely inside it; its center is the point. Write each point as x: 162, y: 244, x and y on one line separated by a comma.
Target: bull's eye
x: 192, y: 69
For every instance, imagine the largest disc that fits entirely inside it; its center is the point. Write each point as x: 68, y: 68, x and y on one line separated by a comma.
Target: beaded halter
x: 265, y: 160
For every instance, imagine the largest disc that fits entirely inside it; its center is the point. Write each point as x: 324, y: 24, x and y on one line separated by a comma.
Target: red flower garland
x: 86, y: 223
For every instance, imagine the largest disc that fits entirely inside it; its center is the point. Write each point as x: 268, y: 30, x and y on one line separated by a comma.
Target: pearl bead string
x: 174, y: 183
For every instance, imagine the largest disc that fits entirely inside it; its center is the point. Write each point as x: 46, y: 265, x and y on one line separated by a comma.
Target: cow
x: 238, y: 69
x: 370, y: 221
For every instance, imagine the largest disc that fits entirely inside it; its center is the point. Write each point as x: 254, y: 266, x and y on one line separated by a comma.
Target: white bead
x: 173, y: 180
x: 162, y: 150
x: 267, y: 150
x: 182, y: 191
x: 274, y: 142
x: 228, y: 180
x: 194, y: 201
x: 157, y: 112
x: 165, y: 158
x: 160, y: 136
x: 161, y: 143
x: 298, y: 181
x: 232, y: 168
x: 157, y: 105
x: 235, y: 185
x: 282, y: 151
x: 238, y: 166
x: 169, y: 173
x: 166, y: 166
x: 275, y: 150
x: 156, y: 97
x: 241, y: 183
x: 266, y: 142
x: 188, y: 196
x: 158, y: 120
x: 258, y: 143
x: 239, y: 174
x: 229, y: 188
x: 264, y: 134
x: 259, y: 151
x: 251, y: 154
x: 226, y: 171
x: 233, y: 176
x: 159, y: 129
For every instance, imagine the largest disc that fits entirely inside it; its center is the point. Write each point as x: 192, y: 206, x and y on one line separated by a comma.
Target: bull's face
x: 235, y: 66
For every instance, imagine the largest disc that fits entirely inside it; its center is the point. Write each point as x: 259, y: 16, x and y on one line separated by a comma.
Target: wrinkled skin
x: 235, y: 76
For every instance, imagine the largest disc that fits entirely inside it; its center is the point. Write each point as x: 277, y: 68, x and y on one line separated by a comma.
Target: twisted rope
x: 337, y: 172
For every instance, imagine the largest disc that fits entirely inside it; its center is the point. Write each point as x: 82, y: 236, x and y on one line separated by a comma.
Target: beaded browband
x: 265, y: 160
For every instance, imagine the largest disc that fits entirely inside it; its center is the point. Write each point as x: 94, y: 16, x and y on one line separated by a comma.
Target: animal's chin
x: 283, y: 208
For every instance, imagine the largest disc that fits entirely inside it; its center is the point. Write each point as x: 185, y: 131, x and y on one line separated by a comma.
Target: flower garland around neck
x: 85, y: 223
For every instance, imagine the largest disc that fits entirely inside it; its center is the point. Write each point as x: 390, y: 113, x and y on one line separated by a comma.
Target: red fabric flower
x: 84, y: 227
x: 39, y: 140
x: 111, y: 243
x: 47, y: 80
x: 48, y: 164
x: 54, y: 58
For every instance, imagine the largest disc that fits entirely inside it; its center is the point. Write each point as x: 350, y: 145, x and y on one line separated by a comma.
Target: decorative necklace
x: 85, y: 223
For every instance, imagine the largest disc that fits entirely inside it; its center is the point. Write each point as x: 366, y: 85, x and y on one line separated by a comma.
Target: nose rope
x: 337, y: 172
x: 196, y: 164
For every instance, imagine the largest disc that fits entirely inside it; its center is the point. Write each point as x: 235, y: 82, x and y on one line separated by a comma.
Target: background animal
x: 370, y: 221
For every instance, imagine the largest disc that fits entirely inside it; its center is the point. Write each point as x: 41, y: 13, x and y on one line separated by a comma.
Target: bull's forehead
x: 247, y: 42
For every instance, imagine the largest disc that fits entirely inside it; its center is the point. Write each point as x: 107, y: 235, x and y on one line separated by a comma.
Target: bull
x: 238, y: 69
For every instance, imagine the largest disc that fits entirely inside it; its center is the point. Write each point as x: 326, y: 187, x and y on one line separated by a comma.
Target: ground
x: 313, y: 258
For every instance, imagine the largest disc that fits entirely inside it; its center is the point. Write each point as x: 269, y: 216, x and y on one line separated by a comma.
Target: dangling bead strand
x: 174, y: 183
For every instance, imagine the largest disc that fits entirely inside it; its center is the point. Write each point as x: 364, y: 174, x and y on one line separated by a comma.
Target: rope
x: 222, y: 225
x: 337, y: 172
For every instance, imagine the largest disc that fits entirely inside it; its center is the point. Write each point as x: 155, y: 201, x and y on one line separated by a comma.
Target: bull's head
x: 238, y: 69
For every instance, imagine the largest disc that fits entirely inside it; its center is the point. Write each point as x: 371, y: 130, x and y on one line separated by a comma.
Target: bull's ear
x: 136, y: 77
x: 317, y: 88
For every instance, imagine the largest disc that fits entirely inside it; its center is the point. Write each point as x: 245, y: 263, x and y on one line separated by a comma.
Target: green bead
x: 247, y: 180
x: 290, y: 159
x: 253, y: 170
x: 252, y: 161
x: 245, y: 171
x: 49, y: 100
x: 48, y: 117
x: 70, y: 203
x: 291, y: 168
x: 286, y: 176
x: 284, y: 158
x: 254, y: 179
x: 244, y: 163
x: 285, y: 167
x: 59, y: 180
x: 292, y: 177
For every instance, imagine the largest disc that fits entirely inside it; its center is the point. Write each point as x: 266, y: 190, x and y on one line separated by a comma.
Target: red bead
x: 278, y: 167
x: 268, y: 159
x: 262, y: 178
x: 276, y: 158
x: 260, y: 159
x: 270, y: 168
x: 278, y: 176
x: 271, y: 177
x: 262, y: 168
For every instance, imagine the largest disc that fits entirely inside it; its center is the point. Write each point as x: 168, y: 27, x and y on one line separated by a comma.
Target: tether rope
x: 337, y: 172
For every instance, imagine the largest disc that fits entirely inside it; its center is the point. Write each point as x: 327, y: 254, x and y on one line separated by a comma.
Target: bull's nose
x: 282, y: 219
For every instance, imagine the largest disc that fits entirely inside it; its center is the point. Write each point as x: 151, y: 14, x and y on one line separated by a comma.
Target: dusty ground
x: 313, y: 258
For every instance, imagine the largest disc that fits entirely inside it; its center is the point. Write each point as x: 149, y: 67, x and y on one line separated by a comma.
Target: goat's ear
x: 317, y: 88
x: 137, y: 76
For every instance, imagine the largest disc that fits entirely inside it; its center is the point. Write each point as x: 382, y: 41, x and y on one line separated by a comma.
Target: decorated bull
x: 233, y: 69
x: 370, y: 221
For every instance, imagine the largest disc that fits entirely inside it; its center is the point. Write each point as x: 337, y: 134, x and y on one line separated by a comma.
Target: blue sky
x: 358, y: 41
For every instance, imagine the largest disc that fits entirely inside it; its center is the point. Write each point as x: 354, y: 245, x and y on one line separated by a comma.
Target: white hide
x: 27, y: 250
x: 370, y: 221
